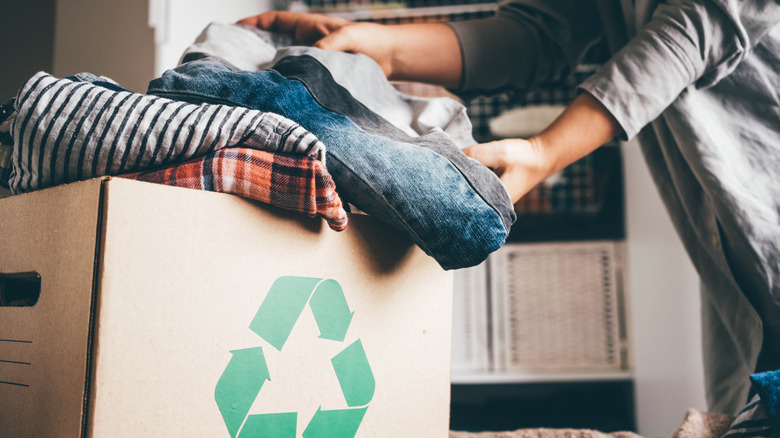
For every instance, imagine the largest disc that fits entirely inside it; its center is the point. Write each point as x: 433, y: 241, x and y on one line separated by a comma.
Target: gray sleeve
x: 526, y: 44
x: 686, y: 43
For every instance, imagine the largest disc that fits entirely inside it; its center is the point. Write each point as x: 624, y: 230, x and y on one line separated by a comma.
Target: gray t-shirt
x: 698, y: 83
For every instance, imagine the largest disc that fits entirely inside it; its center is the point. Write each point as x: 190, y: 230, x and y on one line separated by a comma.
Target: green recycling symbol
x: 247, y: 371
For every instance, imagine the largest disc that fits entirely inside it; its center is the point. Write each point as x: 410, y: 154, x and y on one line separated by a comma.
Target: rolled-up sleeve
x: 526, y: 44
x: 686, y: 43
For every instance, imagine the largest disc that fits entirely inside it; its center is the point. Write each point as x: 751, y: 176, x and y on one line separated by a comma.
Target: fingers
x: 328, y: 24
x: 248, y: 21
x: 338, y: 41
x: 471, y: 150
x: 494, y: 156
x: 281, y: 21
x: 489, y: 154
x: 305, y: 28
x: 262, y: 21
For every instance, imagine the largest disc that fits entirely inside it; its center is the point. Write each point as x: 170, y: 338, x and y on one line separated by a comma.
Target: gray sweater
x: 698, y: 83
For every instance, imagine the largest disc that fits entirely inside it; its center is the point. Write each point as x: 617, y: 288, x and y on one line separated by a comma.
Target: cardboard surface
x: 43, y: 348
x: 179, y: 326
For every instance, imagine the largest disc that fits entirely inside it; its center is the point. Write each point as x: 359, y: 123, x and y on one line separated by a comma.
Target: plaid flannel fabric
x: 297, y: 183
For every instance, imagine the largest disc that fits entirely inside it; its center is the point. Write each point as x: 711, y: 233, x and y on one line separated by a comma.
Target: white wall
x: 179, y: 22
x: 664, y: 298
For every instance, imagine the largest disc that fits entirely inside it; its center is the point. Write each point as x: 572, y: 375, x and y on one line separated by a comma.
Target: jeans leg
x: 408, y: 186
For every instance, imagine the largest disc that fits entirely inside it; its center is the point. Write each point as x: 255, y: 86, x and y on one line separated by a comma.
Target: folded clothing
x: 73, y: 129
x: 407, y: 185
x: 332, y: 96
x: 752, y: 421
x: 761, y: 416
x: 291, y: 182
x: 62, y: 130
x: 252, y: 49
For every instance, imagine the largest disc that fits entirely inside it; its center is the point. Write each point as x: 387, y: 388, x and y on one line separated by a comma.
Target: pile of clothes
x: 304, y: 129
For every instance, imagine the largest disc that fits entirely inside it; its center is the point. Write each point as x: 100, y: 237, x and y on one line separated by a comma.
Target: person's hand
x: 422, y: 52
x: 304, y: 28
x: 330, y: 33
x: 520, y: 164
x: 374, y: 40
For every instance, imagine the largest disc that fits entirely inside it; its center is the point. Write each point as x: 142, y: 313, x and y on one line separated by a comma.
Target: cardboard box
x: 166, y: 312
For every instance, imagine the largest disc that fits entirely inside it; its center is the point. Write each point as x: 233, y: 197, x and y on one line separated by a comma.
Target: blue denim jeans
x: 252, y: 49
x: 333, y: 97
x: 408, y: 186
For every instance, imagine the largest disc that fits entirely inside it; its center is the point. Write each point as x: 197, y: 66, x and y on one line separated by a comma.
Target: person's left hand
x: 520, y: 164
x: 303, y: 27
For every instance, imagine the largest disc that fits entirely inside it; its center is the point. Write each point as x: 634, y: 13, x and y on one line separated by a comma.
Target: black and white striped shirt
x: 67, y: 130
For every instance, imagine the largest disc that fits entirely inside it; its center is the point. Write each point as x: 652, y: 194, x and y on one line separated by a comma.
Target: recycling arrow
x: 281, y: 308
x: 234, y: 393
x: 280, y: 425
x: 339, y: 422
x: 354, y: 374
x: 330, y: 309
x: 243, y: 378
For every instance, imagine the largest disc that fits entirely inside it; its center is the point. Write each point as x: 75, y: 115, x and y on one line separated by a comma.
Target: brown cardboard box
x: 162, y: 310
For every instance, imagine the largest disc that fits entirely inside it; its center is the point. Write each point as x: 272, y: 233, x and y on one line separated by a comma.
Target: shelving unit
x: 556, y: 332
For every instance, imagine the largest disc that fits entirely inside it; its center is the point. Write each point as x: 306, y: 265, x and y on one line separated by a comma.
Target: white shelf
x: 529, y: 377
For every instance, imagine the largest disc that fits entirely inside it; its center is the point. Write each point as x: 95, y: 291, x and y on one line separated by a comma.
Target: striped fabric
x: 297, y: 183
x: 752, y: 421
x: 68, y: 130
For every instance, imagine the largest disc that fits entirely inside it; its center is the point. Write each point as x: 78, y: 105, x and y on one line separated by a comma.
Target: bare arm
x: 430, y: 52
x: 522, y: 164
x: 424, y: 52
x: 304, y: 28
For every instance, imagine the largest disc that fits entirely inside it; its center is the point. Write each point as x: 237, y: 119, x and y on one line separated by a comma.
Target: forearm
x: 425, y: 52
x: 579, y: 130
x: 522, y: 164
x: 527, y: 44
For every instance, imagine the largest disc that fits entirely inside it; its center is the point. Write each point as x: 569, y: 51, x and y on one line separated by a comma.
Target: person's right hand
x: 520, y: 164
x: 330, y: 33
